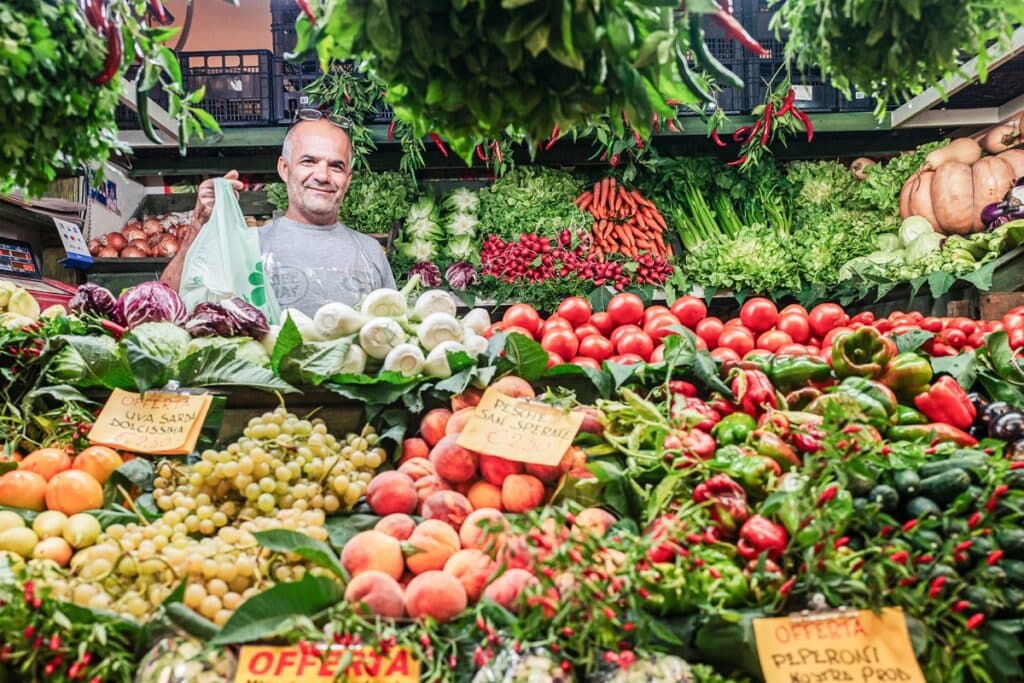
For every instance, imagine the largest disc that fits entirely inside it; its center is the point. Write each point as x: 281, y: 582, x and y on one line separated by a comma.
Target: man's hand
x: 205, y: 200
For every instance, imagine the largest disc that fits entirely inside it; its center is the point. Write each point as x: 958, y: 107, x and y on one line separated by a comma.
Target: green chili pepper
x: 733, y: 429
x: 793, y: 372
x: 708, y: 60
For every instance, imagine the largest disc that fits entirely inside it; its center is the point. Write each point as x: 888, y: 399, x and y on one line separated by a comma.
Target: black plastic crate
x: 238, y: 84
x: 126, y: 117
x: 382, y: 114
x: 857, y: 101
x: 292, y: 79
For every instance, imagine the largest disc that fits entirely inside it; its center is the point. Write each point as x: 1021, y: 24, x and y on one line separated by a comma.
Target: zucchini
x: 966, y: 501
x: 944, y: 487
x: 983, y: 600
x: 926, y: 541
x: 906, y: 482
x: 1012, y: 542
x: 886, y: 497
x: 1014, y: 571
x: 922, y: 508
x: 859, y: 484
x: 974, y: 465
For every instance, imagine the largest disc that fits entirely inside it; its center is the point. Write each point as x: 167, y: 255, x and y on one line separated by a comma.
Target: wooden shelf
x: 252, y: 203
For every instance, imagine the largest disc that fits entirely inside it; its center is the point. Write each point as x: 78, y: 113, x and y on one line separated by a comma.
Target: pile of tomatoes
x: 628, y: 332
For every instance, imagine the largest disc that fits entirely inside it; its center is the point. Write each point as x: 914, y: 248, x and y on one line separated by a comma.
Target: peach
x: 521, y: 493
x: 46, y: 462
x: 98, y: 461
x: 467, y: 399
x: 483, y: 494
x: 494, y: 469
x: 379, y: 592
x: 450, y: 507
x: 414, y: 447
x: 23, y: 489
x: 431, y: 544
x: 396, y: 525
x: 463, y: 487
x: 591, y: 420
x: 549, y: 474
x: 513, y: 386
x: 484, y: 529
x: 417, y: 468
x: 433, y: 425
x: 593, y: 520
x: 473, y: 569
x: 435, y: 594
x: 425, y: 486
x: 391, y: 492
x: 505, y: 589
x: 373, y: 550
x: 515, y: 553
x: 458, y: 421
x: 453, y: 462
x: 73, y: 491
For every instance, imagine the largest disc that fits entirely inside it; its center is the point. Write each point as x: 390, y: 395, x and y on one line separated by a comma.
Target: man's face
x: 317, y: 173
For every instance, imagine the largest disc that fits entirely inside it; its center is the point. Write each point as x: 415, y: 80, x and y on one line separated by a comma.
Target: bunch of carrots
x: 624, y: 222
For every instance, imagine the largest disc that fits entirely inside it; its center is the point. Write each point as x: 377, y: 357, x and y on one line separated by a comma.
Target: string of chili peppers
x: 778, y: 119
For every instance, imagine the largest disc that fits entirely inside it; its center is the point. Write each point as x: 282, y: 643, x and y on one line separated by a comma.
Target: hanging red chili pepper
x: 95, y: 14
x: 439, y: 143
x: 654, y: 123
x: 497, y: 152
x: 787, y: 104
x: 734, y: 30
x: 719, y: 142
x: 307, y: 10
x: 767, y: 129
x: 637, y: 139
x: 157, y: 8
x: 391, y: 130
x: 671, y: 125
x: 115, y: 48
x: 737, y: 162
x: 480, y: 154
x: 806, y: 121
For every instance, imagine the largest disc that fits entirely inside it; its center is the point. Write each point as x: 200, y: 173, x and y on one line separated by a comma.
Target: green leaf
x: 287, y: 339
x: 528, y: 358
x: 982, y: 277
x: 148, y: 371
x: 620, y: 374
x: 317, y: 552
x: 221, y: 366
x: 314, y: 362
x: 939, y: 282
x: 104, y: 363
x: 997, y: 345
x: 269, y: 613
x: 912, y: 340
x: 341, y: 528
x: 915, y: 286
x: 962, y: 367
x: 191, y: 622
x: 599, y: 298
x: 589, y: 384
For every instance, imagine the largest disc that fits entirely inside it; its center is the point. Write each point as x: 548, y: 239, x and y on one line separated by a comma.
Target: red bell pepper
x: 753, y: 390
x: 760, y: 535
x: 947, y: 402
x: 728, y: 502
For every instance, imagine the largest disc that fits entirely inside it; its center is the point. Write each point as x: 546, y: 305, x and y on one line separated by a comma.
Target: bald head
x: 315, y: 164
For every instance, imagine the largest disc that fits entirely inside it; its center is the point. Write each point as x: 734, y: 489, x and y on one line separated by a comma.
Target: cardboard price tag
x: 277, y: 664
x: 861, y: 646
x: 159, y: 424
x: 521, y: 430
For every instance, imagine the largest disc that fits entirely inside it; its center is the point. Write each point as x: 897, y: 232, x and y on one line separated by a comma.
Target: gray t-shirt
x: 311, y: 265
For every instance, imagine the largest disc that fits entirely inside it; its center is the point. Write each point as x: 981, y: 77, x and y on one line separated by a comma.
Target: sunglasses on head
x: 343, y: 122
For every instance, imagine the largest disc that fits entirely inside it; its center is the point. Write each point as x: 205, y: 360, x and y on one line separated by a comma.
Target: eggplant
x: 980, y: 403
x: 995, y: 410
x: 992, y: 212
x: 1008, y: 427
x: 1015, y: 451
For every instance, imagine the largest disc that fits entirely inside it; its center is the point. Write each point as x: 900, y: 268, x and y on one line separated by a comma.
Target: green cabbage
x: 913, y: 227
x: 163, y: 341
x: 923, y: 244
x: 888, y: 242
x: 246, y: 348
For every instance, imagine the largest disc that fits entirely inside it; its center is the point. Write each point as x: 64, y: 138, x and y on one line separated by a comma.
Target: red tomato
x: 690, y: 310
x: 795, y: 325
x: 904, y: 328
x: 710, y: 329
x: 517, y: 329
x: 1017, y: 309
x: 734, y: 322
x: 737, y: 338
x: 603, y: 323
x: 794, y: 309
x: 626, y: 359
x: 724, y: 353
x: 659, y: 326
x: 658, y: 354
x: 976, y: 339
x: 793, y: 350
x: 636, y: 343
x: 701, y: 344
x: 965, y: 325
x: 585, y: 362
x: 523, y: 315
x: 826, y: 343
x: 493, y: 329
x: 864, y: 317
x: 555, y: 323
x: 587, y: 330
x: 954, y: 337
x: 883, y: 325
x: 626, y: 308
x: 759, y: 314
x: 597, y: 347
x: 916, y: 316
x: 825, y: 317
x: 562, y: 342
x: 772, y: 340
x: 1016, y: 337
x: 554, y: 359
x: 652, y: 312
x: 756, y: 353
x: 619, y: 332
x: 575, y: 309
x: 1013, y: 321
x: 932, y: 324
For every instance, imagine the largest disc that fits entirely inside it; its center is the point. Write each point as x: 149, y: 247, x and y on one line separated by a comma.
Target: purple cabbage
x: 149, y: 302
x: 92, y: 299
x: 210, y: 319
x: 430, y: 275
x: 461, y: 275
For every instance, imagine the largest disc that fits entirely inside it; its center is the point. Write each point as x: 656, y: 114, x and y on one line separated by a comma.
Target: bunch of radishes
x: 153, y: 236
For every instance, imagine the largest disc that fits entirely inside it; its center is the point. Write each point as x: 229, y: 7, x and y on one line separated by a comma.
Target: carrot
x: 661, y: 244
x: 627, y: 197
x: 625, y: 237
x: 640, y: 199
x: 661, y: 219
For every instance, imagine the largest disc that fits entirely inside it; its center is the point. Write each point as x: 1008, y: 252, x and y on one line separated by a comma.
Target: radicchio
x: 230, y: 318
x: 149, y: 302
x: 430, y: 275
x: 249, y: 319
x: 92, y: 299
x: 461, y: 275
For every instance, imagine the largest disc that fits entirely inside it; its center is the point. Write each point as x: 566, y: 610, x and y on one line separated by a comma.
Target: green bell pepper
x: 862, y: 398
x: 793, y: 372
x: 862, y: 353
x: 733, y: 429
x: 908, y: 374
x: 905, y: 415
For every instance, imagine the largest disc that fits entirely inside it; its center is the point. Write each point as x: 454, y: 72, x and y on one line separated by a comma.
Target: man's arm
x: 200, y: 215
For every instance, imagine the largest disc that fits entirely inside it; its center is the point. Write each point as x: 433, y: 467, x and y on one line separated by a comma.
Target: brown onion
x: 117, y: 241
x: 133, y: 223
x: 107, y: 252
x: 132, y: 234
x: 133, y: 252
x: 94, y: 247
x: 141, y: 245
x: 152, y: 226
x: 168, y: 247
x: 155, y: 239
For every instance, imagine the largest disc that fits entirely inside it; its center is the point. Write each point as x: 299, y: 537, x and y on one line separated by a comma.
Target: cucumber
x: 906, y: 482
x: 981, y: 546
x: 944, y: 570
x: 956, y: 525
x: 926, y: 541
x: 922, y: 508
x: 1014, y: 479
x: 885, y: 496
x: 966, y: 501
x: 1014, y: 571
x: 973, y: 465
x: 944, y: 487
x: 1012, y: 542
x: 995, y: 574
x: 1014, y: 599
x: 859, y: 484
x: 983, y: 599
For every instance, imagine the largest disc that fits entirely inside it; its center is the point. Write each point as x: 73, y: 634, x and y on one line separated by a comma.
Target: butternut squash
x: 999, y: 139
x: 992, y: 177
x: 962, y: 150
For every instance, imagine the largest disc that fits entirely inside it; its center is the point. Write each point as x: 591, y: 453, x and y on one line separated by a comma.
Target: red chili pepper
x: 637, y: 139
x: 158, y: 9
x: 391, y: 130
x: 439, y: 143
x: 975, y: 621
x: 673, y: 103
x: 806, y: 120
x: 841, y: 542
x: 960, y: 606
x: 738, y: 161
x: 307, y: 10
x: 740, y: 133
x: 996, y: 495
x: 96, y: 14
x: 787, y: 104
x: 734, y: 30
x: 827, y: 495
x: 935, y: 588
x: 994, y: 557
x: 974, y: 520
x: 757, y: 126
x: 767, y: 129
x: 480, y: 154
x: 654, y: 123
x: 961, y: 547
x: 909, y: 524
x: 115, y: 50
x: 924, y: 559
x: 719, y: 142
x: 115, y: 330
x: 1017, y: 465
x: 554, y: 138
x: 614, y: 161
x: 900, y: 556
x: 671, y: 125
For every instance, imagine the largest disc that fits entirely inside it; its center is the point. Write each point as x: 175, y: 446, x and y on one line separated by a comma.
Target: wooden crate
x: 994, y: 305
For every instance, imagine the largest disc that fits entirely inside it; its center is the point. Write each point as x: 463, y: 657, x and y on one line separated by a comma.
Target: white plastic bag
x: 224, y: 260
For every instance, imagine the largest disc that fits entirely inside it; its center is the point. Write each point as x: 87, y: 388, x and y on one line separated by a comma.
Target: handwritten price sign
x: 516, y: 429
x: 273, y: 664
x: 862, y: 647
x: 160, y: 424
